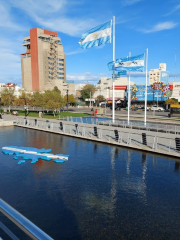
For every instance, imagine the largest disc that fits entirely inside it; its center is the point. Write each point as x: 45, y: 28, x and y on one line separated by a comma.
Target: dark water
x: 102, y: 192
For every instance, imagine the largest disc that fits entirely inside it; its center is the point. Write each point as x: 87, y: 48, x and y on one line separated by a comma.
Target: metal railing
x: 126, y: 137
x: 23, y: 223
x: 141, y: 126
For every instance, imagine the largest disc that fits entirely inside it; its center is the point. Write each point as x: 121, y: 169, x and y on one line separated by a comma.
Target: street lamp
x: 67, y: 97
x: 24, y: 106
x: 67, y: 90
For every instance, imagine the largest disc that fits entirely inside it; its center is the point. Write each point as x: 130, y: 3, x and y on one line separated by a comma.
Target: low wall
x: 6, y: 123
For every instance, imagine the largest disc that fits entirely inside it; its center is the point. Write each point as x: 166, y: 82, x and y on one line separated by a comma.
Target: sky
x: 140, y: 24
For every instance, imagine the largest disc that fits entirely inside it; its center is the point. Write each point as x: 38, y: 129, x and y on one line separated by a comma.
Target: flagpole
x: 113, y: 105
x: 129, y: 98
x: 129, y: 94
x: 145, y: 108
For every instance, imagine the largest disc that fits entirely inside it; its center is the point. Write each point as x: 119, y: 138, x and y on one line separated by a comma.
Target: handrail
x: 23, y: 223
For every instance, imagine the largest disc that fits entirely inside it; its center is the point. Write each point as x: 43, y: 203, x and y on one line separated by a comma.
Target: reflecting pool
x: 101, y: 192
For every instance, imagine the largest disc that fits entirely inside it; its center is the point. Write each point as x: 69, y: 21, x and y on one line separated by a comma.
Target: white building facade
x: 155, y: 74
x: 105, y: 87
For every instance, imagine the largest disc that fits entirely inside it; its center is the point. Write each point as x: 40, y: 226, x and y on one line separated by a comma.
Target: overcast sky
x: 140, y: 24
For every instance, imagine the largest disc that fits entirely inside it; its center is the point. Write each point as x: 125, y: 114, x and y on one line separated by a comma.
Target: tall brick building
x: 43, y: 65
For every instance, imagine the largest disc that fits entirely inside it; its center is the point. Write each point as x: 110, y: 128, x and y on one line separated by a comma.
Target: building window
x: 60, y: 64
x: 59, y: 59
x: 60, y: 78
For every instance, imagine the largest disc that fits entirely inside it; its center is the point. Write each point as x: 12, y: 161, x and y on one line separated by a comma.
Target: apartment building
x: 43, y: 65
x: 155, y: 74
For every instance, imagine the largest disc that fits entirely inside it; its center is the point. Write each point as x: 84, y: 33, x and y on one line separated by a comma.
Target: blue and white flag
x: 130, y: 64
x: 96, y: 36
x: 122, y: 72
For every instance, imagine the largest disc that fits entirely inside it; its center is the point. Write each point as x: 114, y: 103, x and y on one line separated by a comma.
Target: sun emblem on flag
x: 129, y: 63
x: 95, y: 35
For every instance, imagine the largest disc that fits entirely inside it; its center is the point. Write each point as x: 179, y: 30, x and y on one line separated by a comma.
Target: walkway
x: 157, y: 142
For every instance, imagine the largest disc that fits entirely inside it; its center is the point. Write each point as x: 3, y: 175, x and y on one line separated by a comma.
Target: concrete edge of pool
x: 141, y: 148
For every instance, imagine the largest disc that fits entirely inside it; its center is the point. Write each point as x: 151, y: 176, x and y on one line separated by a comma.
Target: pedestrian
x: 92, y: 112
x: 0, y: 115
x: 95, y: 112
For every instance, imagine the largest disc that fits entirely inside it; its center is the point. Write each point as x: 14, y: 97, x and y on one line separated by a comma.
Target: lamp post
x: 67, y: 90
x: 24, y: 106
x: 67, y: 97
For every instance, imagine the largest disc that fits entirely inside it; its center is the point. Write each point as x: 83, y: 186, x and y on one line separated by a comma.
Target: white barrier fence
x: 107, y: 135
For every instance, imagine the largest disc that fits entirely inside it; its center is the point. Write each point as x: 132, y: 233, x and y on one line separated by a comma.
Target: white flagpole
x: 129, y: 95
x: 113, y: 105
x: 145, y: 107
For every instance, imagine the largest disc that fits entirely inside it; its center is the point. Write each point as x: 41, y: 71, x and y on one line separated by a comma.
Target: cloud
x: 130, y: 2
x: 160, y: 27
x: 52, y: 14
x: 172, y: 75
x: 75, y: 52
x: 10, y: 70
x: 173, y: 10
x: 6, y: 19
x: 67, y: 26
x: 84, y: 77
x: 138, y: 74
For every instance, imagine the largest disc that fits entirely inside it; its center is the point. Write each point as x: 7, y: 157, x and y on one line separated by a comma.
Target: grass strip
x: 51, y: 115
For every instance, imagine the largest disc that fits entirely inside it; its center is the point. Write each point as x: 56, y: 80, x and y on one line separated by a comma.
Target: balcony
x: 25, y: 43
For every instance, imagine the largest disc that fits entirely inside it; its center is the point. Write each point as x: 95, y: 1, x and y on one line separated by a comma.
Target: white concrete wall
x: 176, y: 90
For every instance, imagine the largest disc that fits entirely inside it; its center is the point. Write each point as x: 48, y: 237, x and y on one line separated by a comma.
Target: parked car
x: 15, y: 113
x: 157, y: 108
x: 148, y: 108
x: 117, y: 107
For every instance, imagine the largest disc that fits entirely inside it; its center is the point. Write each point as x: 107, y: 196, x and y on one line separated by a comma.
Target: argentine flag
x: 96, y: 36
x: 129, y: 64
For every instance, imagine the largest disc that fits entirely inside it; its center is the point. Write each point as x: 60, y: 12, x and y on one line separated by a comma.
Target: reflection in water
x: 101, y: 192
x: 143, y: 158
x: 114, y: 155
x: 95, y: 147
x: 176, y: 168
x: 128, y: 161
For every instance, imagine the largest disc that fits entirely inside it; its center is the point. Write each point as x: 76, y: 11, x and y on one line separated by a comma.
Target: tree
x: 71, y: 99
x: 171, y: 101
x: 7, y: 96
x: 52, y: 100
x: 175, y: 100
x: 20, y: 100
x: 100, y: 98
x: 56, y: 89
x: 38, y: 100
x: 87, y: 89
